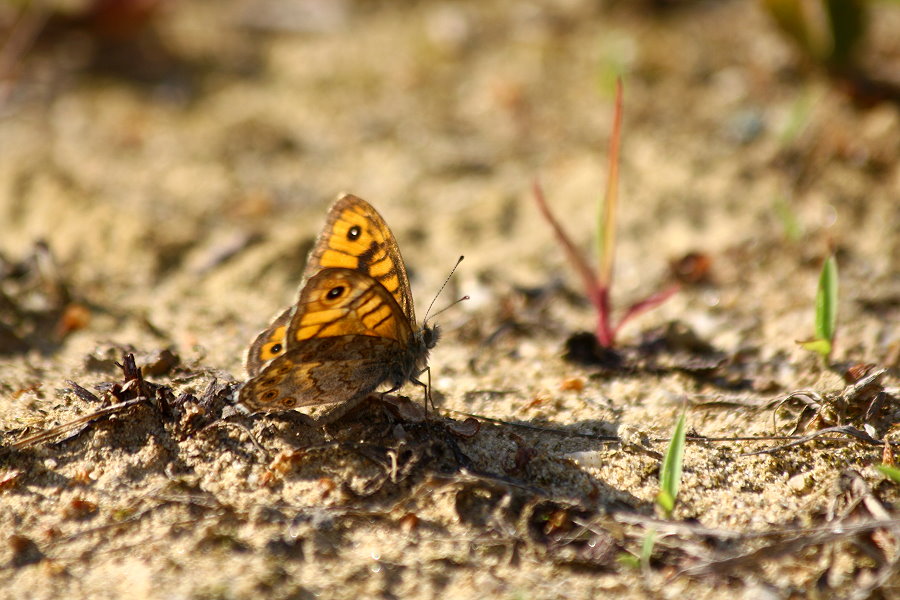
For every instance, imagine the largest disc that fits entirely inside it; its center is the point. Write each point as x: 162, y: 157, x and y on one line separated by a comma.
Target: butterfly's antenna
x: 451, y: 305
x: 446, y: 281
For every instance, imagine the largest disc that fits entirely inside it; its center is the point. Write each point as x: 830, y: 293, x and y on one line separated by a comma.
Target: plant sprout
x: 826, y: 310
x: 598, y: 285
x: 889, y: 471
x: 670, y: 471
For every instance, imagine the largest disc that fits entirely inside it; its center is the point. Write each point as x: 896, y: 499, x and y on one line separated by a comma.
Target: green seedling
x: 828, y: 32
x: 598, y: 285
x: 647, y: 548
x: 891, y: 472
x: 670, y: 471
x: 643, y: 561
x: 669, y: 482
x: 826, y: 310
x: 617, y: 54
x: 799, y: 117
x: 628, y: 560
x: 793, y: 230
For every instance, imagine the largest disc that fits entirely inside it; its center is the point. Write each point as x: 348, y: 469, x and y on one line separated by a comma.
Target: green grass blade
x: 666, y: 501
x: 606, y: 213
x: 892, y: 473
x: 628, y: 560
x: 643, y: 561
x: 799, y: 117
x: 647, y: 548
x: 670, y: 472
x: 789, y: 16
x: 826, y: 301
x: 790, y: 224
x: 847, y: 21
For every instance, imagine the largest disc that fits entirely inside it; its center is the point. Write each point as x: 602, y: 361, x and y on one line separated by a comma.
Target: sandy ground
x: 161, y: 194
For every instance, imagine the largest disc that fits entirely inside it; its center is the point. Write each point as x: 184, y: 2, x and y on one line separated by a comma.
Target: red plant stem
x: 597, y: 286
x: 642, y: 306
x: 584, y: 271
x: 606, y: 335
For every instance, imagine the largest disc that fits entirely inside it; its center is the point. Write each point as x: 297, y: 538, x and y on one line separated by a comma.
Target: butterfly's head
x: 430, y: 335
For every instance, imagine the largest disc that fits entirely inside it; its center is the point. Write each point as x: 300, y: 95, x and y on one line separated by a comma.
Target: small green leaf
x: 892, y: 473
x: 793, y: 230
x: 647, y: 548
x: 670, y: 471
x: 822, y: 347
x: 666, y: 501
x: 790, y: 17
x: 847, y: 21
x: 799, y: 116
x: 628, y: 560
x: 826, y: 301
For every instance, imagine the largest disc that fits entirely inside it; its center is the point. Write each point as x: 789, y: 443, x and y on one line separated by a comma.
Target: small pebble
x: 800, y: 483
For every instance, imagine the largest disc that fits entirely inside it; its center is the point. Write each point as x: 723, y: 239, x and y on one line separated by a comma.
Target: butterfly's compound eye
x: 335, y: 292
x: 354, y: 232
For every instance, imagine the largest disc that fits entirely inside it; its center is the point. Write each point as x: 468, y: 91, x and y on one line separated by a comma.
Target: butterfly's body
x: 353, y: 328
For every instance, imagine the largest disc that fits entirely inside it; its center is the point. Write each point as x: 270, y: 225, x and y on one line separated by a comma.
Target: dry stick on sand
x: 94, y: 416
x: 134, y: 384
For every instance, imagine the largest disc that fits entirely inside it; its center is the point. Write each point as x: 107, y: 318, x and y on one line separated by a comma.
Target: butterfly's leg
x: 381, y: 395
x: 426, y: 386
x: 429, y: 399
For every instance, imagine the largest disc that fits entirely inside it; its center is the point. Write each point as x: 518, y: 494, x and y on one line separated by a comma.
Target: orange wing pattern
x: 346, y: 337
x: 354, y: 237
x: 338, y: 302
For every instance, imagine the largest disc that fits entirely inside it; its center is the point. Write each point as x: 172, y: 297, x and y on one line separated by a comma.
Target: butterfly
x: 353, y: 327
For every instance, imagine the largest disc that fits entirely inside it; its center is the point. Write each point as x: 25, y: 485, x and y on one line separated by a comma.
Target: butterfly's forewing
x: 346, y: 336
x: 338, y: 302
x: 354, y: 237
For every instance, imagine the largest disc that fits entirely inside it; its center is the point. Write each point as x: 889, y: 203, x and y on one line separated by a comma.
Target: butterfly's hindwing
x: 268, y: 344
x: 322, y: 371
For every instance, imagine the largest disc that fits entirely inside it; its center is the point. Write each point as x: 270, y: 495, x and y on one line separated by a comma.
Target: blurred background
x: 164, y: 164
